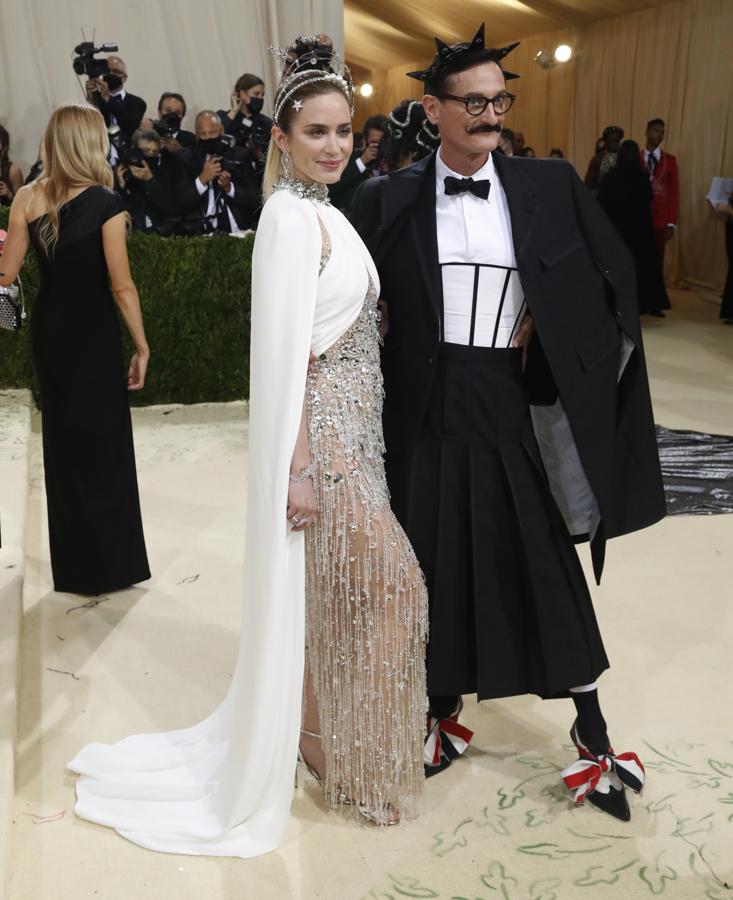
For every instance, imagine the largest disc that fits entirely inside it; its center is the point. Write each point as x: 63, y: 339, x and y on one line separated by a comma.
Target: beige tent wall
x: 673, y: 61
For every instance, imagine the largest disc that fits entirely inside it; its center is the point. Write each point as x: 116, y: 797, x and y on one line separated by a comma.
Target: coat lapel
x: 425, y: 235
x: 524, y: 206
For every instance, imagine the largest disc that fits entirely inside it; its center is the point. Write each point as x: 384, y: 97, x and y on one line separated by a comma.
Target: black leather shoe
x: 614, y: 802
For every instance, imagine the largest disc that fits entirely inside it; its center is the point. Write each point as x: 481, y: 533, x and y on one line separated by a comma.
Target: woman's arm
x: 301, y: 497
x: 16, y: 178
x: 16, y: 245
x: 114, y: 238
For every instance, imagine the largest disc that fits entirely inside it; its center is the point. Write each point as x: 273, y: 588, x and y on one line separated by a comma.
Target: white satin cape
x: 224, y: 787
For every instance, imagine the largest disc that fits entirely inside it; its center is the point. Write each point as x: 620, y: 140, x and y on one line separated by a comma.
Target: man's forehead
x: 116, y: 62
x: 486, y: 76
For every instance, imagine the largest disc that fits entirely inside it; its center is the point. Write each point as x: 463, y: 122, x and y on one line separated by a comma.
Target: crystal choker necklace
x: 312, y: 190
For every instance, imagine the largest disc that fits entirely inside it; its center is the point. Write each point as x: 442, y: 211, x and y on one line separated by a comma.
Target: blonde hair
x: 74, y: 153
x: 274, y: 163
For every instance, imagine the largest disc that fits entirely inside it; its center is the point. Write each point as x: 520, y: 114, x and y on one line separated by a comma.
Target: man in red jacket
x: 662, y: 169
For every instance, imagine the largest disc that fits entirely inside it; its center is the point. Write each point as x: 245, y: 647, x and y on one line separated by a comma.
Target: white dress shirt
x: 483, y: 300
x: 211, y: 211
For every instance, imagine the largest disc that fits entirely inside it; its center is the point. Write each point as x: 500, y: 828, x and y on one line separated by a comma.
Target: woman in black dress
x: 77, y: 227
x: 626, y: 196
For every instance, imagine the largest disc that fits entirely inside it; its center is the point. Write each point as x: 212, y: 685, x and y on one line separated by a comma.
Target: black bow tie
x: 459, y: 185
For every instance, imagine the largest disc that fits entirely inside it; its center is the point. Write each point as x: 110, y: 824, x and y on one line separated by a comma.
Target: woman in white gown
x: 327, y: 567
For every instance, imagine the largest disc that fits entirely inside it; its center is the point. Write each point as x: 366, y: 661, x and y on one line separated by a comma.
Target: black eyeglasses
x: 476, y: 103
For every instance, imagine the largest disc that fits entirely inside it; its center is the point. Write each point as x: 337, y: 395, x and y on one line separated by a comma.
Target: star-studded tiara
x: 457, y: 57
x: 306, y: 61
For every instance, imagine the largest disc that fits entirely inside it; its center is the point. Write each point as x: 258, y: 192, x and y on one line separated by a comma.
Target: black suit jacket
x: 129, y: 112
x: 244, y: 205
x: 579, y: 283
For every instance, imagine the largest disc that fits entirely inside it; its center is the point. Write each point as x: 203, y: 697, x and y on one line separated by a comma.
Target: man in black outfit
x: 505, y: 285
x: 171, y: 113
x: 216, y: 189
x: 118, y: 107
x: 146, y: 183
x: 363, y: 164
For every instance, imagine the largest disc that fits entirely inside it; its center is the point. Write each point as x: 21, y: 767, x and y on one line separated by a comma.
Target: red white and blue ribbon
x: 446, y: 740
x: 584, y: 775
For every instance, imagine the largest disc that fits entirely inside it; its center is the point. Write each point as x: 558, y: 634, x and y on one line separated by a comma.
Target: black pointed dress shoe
x: 602, y: 777
x: 445, y: 741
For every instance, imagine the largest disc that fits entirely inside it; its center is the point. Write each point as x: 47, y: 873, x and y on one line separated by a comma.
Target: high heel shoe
x: 603, y: 779
x: 388, y: 816
x: 446, y: 740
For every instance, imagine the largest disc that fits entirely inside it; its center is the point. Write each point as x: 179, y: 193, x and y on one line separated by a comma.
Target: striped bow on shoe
x: 446, y: 740
x: 602, y: 779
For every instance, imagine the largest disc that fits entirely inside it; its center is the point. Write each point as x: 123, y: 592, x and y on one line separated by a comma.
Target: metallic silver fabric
x: 697, y: 470
x: 366, y: 602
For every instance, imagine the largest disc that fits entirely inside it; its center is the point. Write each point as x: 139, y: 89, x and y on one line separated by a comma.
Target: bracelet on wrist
x: 303, y: 475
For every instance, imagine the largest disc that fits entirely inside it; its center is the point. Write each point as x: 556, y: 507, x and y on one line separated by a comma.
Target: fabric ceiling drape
x: 196, y: 49
x: 673, y: 61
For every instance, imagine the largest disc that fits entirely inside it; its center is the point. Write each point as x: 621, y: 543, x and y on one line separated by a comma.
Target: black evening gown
x: 626, y: 197
x: 95, y: 527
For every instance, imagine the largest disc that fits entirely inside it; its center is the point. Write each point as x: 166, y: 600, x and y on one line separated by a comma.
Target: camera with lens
x: 261, y: 133
x: 168, y: 126
x: 85, y: 62
x: 134, y: 157
x: 225, y: 147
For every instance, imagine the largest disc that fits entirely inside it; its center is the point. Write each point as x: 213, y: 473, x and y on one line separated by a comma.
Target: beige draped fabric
x: 194, y: 48
x: 674, y: 61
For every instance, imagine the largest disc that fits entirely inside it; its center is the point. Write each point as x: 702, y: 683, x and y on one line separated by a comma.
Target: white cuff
x: 230, y: 192
x: 360, y: 165
x: 200, y: 186
x: 671, y: 225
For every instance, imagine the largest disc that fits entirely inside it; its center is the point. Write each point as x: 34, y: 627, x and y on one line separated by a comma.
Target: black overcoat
x: 594, y: 426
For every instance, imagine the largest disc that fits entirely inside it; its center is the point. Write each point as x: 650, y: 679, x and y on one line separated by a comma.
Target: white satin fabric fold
x: 224, y: 786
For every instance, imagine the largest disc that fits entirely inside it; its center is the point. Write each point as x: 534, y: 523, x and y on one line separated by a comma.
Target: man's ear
x: 430, y: 105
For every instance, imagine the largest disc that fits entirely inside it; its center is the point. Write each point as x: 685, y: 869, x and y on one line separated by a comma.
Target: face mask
x: 255, y: 105
x: 114, y: 82
x: 209, y: 145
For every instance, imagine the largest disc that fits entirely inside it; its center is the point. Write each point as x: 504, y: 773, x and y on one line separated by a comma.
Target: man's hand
x: 669, y: 232
x: 171, y: 144
x: 91, y: 88
x: 211, y: 170
x: 524, y: 336
x: 225, y: 180
x: 121, y: 173
x: 382, y: 318
x: 103, y: 89
x: 370, y: 154
x: 5, y: 190
x: 142, y: 173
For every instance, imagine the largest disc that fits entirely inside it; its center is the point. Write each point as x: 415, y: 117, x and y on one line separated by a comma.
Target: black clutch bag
x: 12, y: 307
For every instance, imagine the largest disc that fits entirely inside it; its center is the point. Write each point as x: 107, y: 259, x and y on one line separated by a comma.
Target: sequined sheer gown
x: 365, y: 596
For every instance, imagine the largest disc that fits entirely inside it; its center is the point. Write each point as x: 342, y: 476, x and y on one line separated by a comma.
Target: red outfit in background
x: 665, y: 202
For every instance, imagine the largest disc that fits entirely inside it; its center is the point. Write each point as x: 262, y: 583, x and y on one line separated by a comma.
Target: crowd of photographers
x: 209, y: 180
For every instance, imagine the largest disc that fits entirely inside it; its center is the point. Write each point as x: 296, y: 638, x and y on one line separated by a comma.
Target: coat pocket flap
x: 596, y: 348
x: 558, y: 251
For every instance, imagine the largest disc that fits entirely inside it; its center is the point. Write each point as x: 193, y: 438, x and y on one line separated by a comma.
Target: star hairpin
x: 297, y: 105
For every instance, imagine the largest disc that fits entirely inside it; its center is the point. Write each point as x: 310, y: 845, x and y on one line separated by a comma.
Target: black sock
x: 591, y: 724
x: 442, y: 707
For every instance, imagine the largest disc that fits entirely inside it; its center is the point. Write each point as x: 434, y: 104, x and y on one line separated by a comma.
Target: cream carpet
x: 498, y: 824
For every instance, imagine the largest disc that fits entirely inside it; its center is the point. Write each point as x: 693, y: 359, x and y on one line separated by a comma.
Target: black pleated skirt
x: 510, y: 610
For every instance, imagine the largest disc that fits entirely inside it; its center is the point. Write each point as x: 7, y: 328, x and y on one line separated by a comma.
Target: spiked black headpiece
x: 451, y: 59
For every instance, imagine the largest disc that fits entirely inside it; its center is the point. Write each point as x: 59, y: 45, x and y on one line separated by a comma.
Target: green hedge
x: 195, y: 296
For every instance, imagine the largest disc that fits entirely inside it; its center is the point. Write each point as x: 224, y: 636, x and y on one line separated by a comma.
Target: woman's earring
x: 287, y: 164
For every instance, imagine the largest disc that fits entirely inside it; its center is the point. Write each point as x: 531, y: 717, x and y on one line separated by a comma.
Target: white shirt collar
x: 120, y: 94
x: 656, y: 153
x: 442, y: 171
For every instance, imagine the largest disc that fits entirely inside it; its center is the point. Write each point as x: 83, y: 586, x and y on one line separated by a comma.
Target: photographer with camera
x: 245, y: 109
x: 216, y: 189
x: 363, y: 164
x: 146, y: 182
x: 125, y: 111
x: 171, y: 113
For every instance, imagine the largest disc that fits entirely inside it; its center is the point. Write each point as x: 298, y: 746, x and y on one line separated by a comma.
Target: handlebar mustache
x: 485, y: 128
